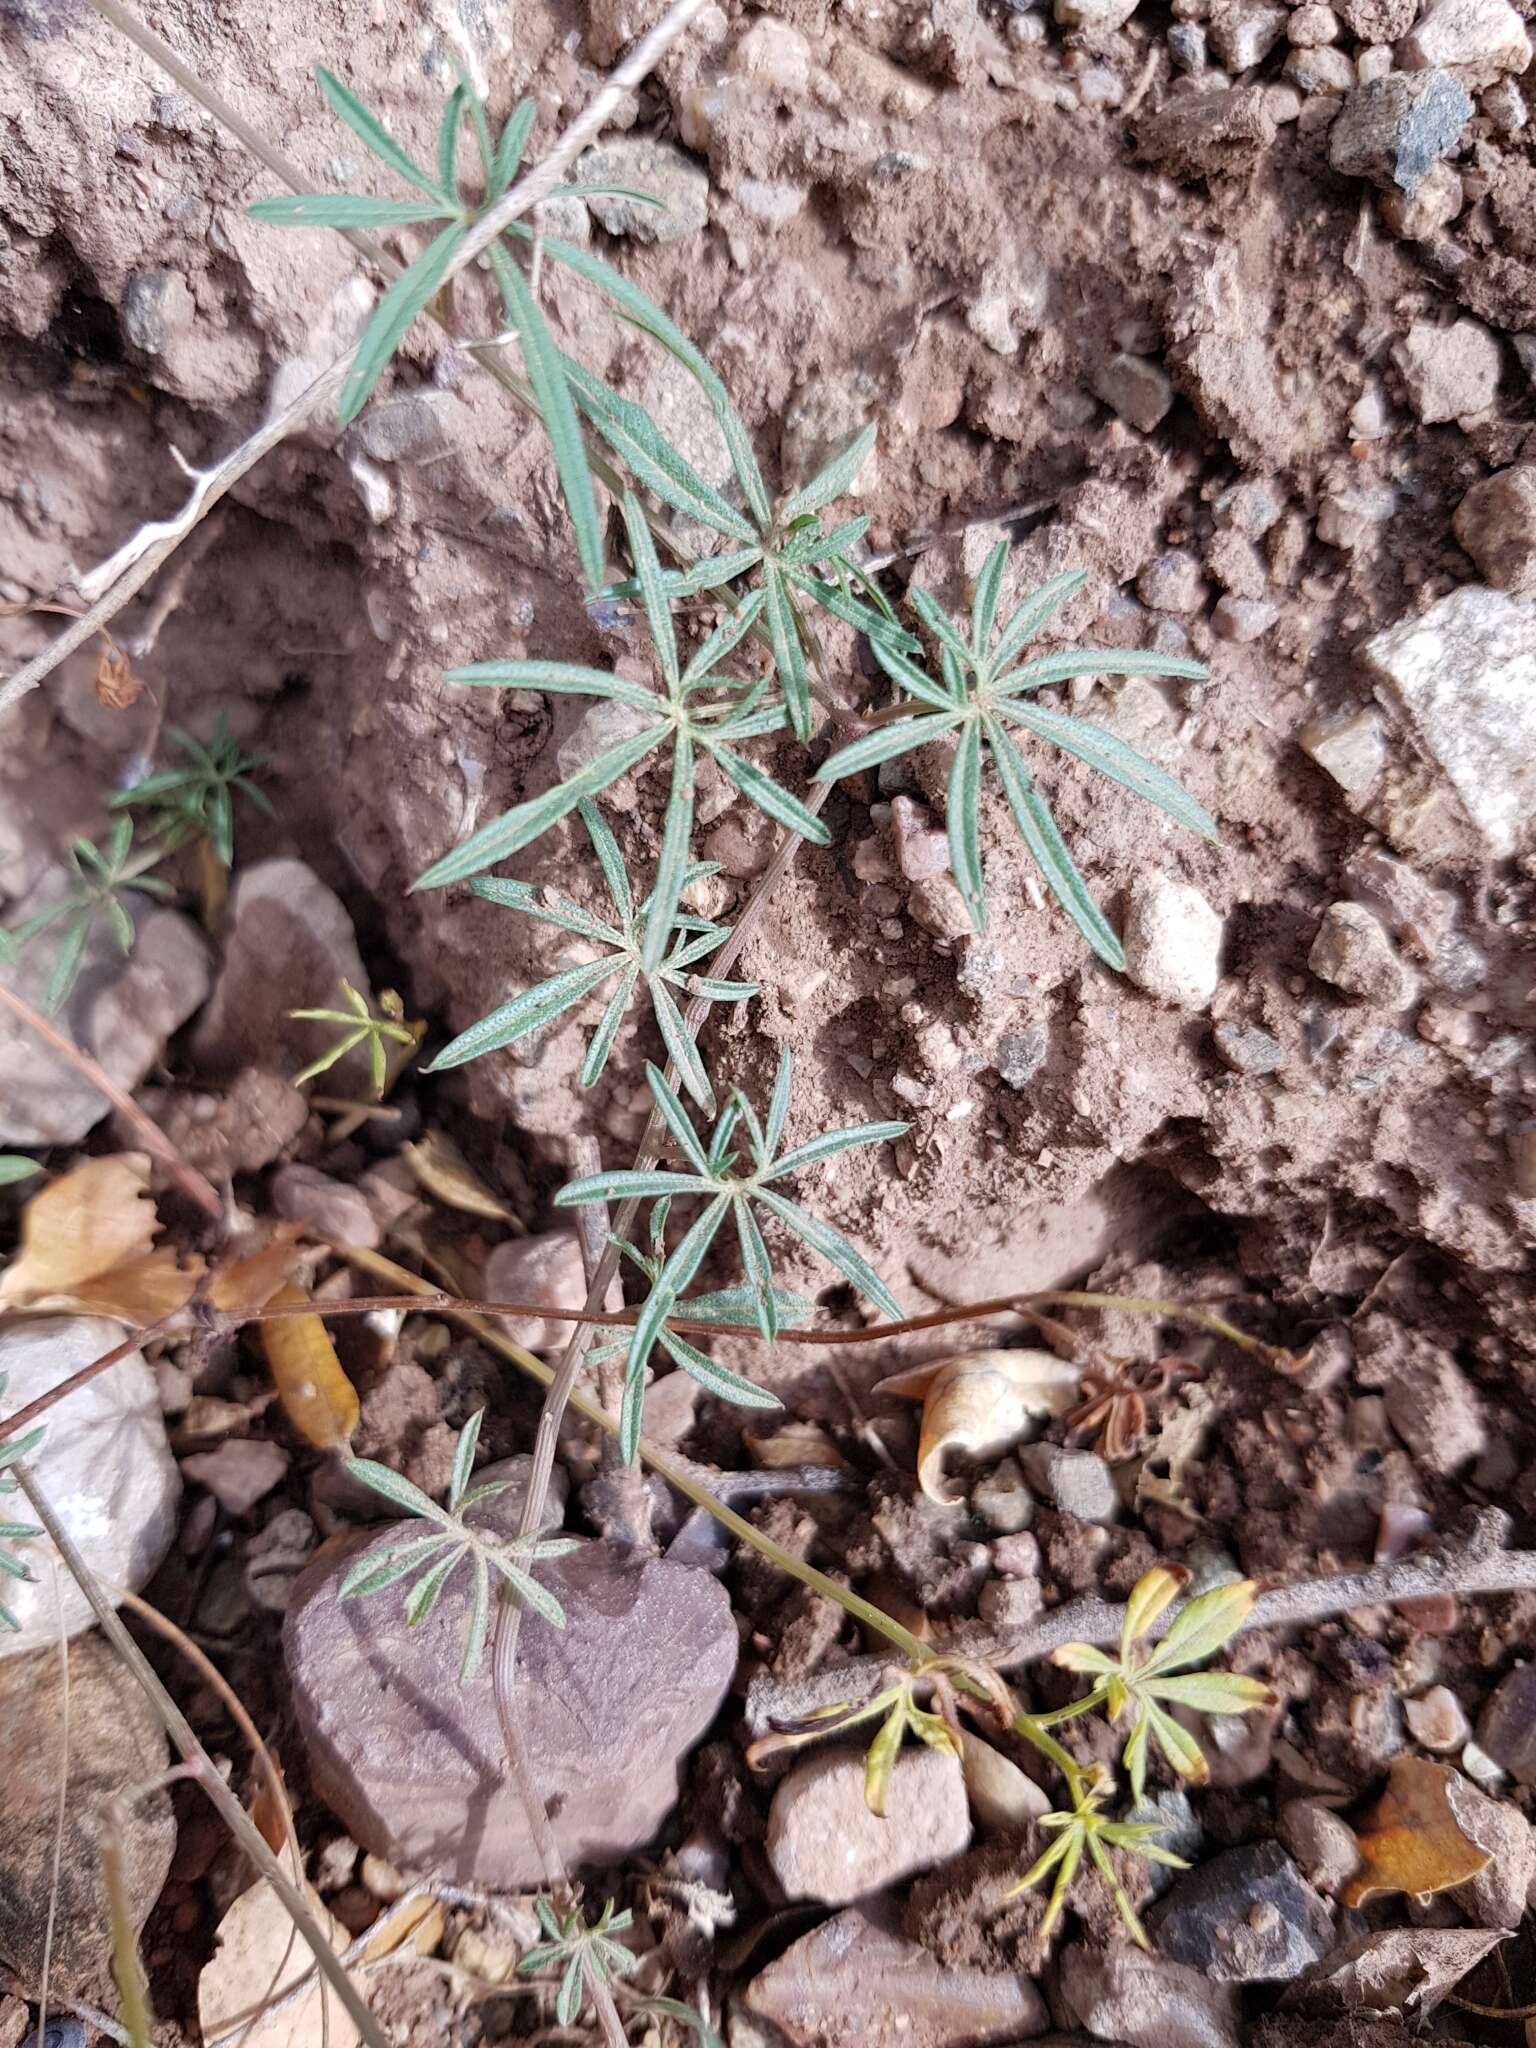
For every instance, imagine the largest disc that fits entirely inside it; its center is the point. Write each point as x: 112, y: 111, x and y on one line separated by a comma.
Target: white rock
x: 1463, y: 674
x: 989, y: 319
x: 257, y: 1958
x: 1102, y: 16
x: 775, y: 204
x: 1352, y: 951
x: 545, y: 1269
x: 775, y: 54
x: 1351, y: 748
x: 1480, y: 35
x: 825, y: 1844
x: 103, y: 1465
x: 1243, y: 34
x: 1172, y: 941
x: 122, y: 1012
x: 1452, y: 373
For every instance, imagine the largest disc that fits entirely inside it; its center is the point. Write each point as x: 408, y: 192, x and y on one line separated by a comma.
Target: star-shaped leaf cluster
x: 624, y: 938
x: 981, y: 695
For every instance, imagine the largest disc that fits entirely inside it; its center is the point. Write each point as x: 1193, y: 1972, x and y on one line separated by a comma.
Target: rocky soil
x: 1230, y: 303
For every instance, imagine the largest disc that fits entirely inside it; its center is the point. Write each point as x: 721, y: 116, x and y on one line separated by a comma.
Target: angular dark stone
x: 1507, y: 1726
x: 1246, y: 1917
x: 1394, y: 128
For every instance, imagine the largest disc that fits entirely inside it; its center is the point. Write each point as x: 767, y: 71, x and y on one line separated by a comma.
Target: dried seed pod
x: 982, y: 1403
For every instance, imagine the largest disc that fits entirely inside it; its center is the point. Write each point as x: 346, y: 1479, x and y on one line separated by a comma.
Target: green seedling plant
x: 197, y: 801
x: 444, y: 204
x: 358, y: 1025
x: 1148, y: 1680
x: 435, y: 1558
x: 733, y: 1306
x: 736, y: 1187
x: 897, y: 1711
x: 624, y: 938
x: 578, y: 1952
x: 698, y: 708
x: 107, y: 876
x: 15, y: 1166
x: 11, y: 1452
x: 980, y: 692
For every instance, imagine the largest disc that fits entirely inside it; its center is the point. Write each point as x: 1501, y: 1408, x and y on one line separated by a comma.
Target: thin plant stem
x: 187, y: 1178
x: 180, y: 1730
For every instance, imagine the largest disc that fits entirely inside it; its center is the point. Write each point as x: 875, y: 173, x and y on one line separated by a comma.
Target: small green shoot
x: 196, y: 802
x: 690, y: 940
x: 979, y: 694
x: 1085, y: 1829
x: 11, y: 1452
x: 729, y: 1191
x: 106, y: 875
x: 358, y: 1026
x: 577, y: 1950
x: 15, y: 1166
x: 435, y: 1558
x: 698, y: 707
x: 898, y: 1713
x: 735, y: 1306
x: 1151, y: 1681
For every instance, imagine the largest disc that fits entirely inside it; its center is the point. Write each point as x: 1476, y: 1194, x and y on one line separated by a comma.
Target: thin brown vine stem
x: 187, y: 1178
x: 180, y: 1730
x: 440, y: 1301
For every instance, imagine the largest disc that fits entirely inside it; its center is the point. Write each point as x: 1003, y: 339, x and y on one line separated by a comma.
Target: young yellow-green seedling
x: 1085, y: 1830
x: 691, y: 940
x: 1152, y: 1679
x: 981, y: 690
x: 435, y: 1558
x: 895, y: 1708
x: 359, y: 1026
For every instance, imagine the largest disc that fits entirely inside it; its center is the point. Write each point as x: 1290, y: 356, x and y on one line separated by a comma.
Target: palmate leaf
x: 973, y: 696
x: 435, y: 1557
x: 685, y: 940
x: 106, y: 875
x: 729, y: 1190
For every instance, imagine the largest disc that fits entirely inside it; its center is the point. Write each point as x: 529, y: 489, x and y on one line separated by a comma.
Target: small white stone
x: 989, y: 320
x: 1102, y: 16
x: 1352, y: 748
x: 1138, y: 388
x: 1451, y: 372
x: 103, y: 1465
x: 1352, y: 951
x: 1243, y: 35
x: 1464, y: 676
x: 1172, y: 941
x: 1479, y: 35
x: 775, y: 205
x: 544, y: 1268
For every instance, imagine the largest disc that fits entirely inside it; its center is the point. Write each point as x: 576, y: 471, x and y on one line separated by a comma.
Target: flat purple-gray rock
x: 413, y: 1763
x: 856, y: 1982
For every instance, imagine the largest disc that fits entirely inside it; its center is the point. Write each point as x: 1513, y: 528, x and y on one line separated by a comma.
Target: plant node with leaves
x: 579, y: 1953
x: 107, y: 876
x: 435, y: 1558
x: 197, y: 802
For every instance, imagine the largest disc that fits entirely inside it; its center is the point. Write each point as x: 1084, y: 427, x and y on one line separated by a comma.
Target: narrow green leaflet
x: 105, y: 876
x: 343, y: 210
x: 395, y: 312
x: 971, y: 698
x: 687, y: 939
x: 546, y: 374
x: 734, y: 1189
x: 370, y: 131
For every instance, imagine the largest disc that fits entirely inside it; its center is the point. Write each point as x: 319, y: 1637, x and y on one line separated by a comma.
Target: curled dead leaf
x: 1410, y: 1841
x: 982, y: 1403
x: 252, y: 1279
x: 796, y: 1444
x: 87, y: 1242
x: 447, y: 1175
x: 317, y: 1397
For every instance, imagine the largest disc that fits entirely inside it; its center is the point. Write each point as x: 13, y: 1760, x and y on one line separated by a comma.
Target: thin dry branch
x: 180, y: 1730
x: 187, y: 1178
x: 529, y: 192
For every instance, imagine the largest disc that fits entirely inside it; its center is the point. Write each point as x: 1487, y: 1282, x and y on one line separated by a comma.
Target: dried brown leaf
x: 449, y: 1178
x: 1401, y: 1969
x: 797, y: 1443
x: 317, y: 1397
x: 87, y: 1240
x: 252, y: 1280
x: 1410, y: 1841
x: 982, y: 1403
